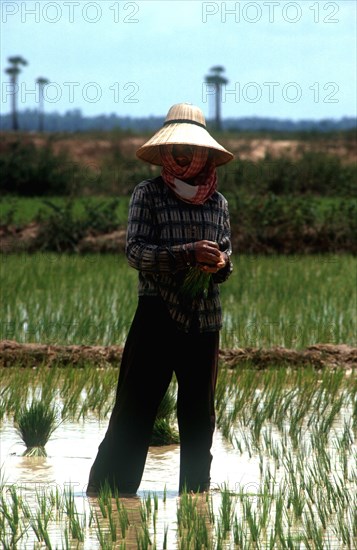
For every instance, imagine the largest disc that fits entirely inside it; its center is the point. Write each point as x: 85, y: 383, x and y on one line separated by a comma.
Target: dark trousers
x: 153, y: 351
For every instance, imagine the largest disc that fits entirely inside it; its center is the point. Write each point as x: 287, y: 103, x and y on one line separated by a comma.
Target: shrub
x: 291, y: 224
x: 30, y: 171
x: 63, y: 230
x: 314, y: 173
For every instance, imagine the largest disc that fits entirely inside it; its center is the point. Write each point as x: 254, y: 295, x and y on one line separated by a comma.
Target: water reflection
x: 72, y: 448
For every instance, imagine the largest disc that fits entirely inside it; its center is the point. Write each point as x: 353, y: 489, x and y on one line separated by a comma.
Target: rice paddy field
x: 284, y: 470
x: 291, y: 301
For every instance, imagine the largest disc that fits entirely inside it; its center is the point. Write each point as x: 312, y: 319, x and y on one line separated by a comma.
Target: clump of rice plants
x: 196, y: 283
x: 164, y: 433
x: 35, y: 425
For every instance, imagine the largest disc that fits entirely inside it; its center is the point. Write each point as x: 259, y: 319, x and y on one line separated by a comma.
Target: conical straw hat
x: 184, y: 124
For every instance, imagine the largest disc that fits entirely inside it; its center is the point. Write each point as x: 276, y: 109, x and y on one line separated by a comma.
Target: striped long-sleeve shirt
x: 160, y: 228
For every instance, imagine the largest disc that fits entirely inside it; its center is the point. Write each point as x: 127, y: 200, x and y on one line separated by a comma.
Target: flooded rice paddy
x: 284, y: 470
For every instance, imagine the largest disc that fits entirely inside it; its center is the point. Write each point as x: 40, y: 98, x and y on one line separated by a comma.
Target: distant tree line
x: 75, y: 121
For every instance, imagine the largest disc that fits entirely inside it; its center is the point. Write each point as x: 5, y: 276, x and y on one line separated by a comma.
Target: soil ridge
x: 318, y: 355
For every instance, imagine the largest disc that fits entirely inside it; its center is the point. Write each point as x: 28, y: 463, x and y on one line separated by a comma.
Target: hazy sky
x: 282, y: 59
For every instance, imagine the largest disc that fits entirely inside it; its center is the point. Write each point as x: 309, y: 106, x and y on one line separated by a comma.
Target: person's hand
x: 208, y: 256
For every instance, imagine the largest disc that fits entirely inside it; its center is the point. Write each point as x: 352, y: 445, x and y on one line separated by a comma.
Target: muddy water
x: 71, y: 451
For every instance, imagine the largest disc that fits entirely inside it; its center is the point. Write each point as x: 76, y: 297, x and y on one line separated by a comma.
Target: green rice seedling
x: 35, y: 425
x: 186, y: 510
x: 143, y: 540
x: 99, y: 387
x: 143, y: 512
x: 318, y: 441
x: 103, y: 536
x: 147, y: 501
x: 266, y: 305
x: 77, y: 525
x: 15, y: 389
x: 44, y: 504
x: 11, y: 528
x: 194, y: 522
x: 197, y: 535
x: 164, y: 543
x: 265, y: 503
x: 123, y: 521
x: 39, y: 527
x: 122, y: 514
x: 313, y: 536
x: 3, y: 405
x: 196, y: 283
x: 26, y: 510
x: 48, y: 381
x: 70, y: 406
x: 342, y: 531
x: 154, y: 522
x: 210, y: 507
x: 68, y: 501
x: 346, y: 440
x: 58, y: 503
x: 323, y: 512
x: 156, y: 502
x: 257, y: 424
x: 226, y: 510
x: 326, y: 420
x: 295, y: 496
x: 221, y: 394
x: 104, y: 496
x: 66, y: 545
x: 240, y: 537
x: 278, y: 518
x: 353, y: 519
x: 340, y: 494
x: 72, y: 386
x: 164, y: 433
x: 112, y: 521
x: 252, y: 520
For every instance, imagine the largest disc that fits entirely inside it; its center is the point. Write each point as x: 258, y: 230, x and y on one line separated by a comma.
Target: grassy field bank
x: 287, y: 193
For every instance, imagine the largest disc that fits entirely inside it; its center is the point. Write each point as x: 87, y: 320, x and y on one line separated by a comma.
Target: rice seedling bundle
x: 35, y: 425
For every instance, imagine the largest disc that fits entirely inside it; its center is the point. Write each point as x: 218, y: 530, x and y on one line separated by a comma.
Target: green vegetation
x: 297, y: 428
x: 35, y: 425
x: 62, y: 230
x: 292, y: 301
x: 164, y: 431
x: 292, y: 202
x: 313, y: 173
x: 30, y: 171
x: 20, y: 211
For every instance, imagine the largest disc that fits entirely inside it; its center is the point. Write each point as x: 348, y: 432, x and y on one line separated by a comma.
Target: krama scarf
x: 201, y: 172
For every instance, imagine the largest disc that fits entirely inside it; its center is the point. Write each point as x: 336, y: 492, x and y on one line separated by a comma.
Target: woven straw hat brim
x: 182, y: 133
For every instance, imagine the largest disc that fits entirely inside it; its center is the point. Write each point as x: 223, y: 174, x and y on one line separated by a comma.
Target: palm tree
x: 41, y: 84
x: 14, y: 70
x: 217, y: 80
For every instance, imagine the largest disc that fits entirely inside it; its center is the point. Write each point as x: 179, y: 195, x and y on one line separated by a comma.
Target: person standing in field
x: 179, y: 240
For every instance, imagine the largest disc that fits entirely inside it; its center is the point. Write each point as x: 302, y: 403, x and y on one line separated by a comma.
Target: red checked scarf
x: 201, y: 172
